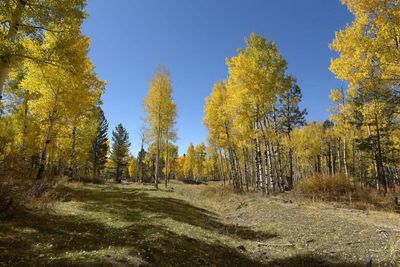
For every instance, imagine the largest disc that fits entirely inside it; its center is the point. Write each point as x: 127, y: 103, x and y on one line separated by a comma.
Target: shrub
x: 340, y: 188
x: 328, y: 185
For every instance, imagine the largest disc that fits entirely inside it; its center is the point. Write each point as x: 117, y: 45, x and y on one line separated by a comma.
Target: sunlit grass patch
x: 202, y: 225
x: 110, y: 256
x: 25, y: 230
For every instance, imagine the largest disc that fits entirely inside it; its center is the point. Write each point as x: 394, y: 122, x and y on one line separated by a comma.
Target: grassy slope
x: 109, y: 225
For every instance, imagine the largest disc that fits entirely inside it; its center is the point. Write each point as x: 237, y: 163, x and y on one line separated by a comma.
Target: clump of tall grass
x: 344, y: 189
x: 335, y: 185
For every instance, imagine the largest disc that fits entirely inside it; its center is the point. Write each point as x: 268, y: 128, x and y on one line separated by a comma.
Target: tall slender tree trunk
x: 118, y: 174
x: 72, y: 161
x: 289, y: 132
x: 360, y: 167
x: 282, y: 181
x: 221, y: 166
x: 157, y: 151
x: 166, y: 163
x: 156, y: 165
x: 353, y: 148
x: 333, y: 157
x: 290, y: 168
x: 267, y: 156
x: 95, y: 160
x: 226, y: 162
x: 232, y: 167
x: 245, y: 169
x: 375, y: 160
x: 338, y: 156
x: 258, y: 163
x: 346, y: 172
x: 381, y: 167
x: 235, y: 167
x: 38, y: 187
x: 330, y: 159
x: 263, y: 161
x: 43, y: 156
x: 25, y: 131
x: 51, y: 160
x: 232, y: 159
x: 274, y: 167
x: 279, y: 168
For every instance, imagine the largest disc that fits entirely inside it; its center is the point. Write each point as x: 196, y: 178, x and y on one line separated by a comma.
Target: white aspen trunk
x: 157, y: 163
x: 279, y: 168
x: 338, y: 155
x: 263, y: 164
x: 269, y: 166
x: 166, y: 163
x: 259, y: 164
x: 158, y: 137
x: 332, y: 160
x: 375, y: 162
x: 346, y: 172
x: 255, y: 166
x: 221, y: 166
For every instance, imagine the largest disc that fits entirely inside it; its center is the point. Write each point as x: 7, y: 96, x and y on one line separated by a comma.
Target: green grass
x: 111, y: 225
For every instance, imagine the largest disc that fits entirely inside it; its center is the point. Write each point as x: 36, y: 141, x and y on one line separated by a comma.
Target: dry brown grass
x: 344, y: 192
x: 318, y: 227
x: 325, y: 184
x: 196, y: 225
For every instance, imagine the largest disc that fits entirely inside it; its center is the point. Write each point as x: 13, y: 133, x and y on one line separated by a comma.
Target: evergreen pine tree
x: 291, y: 116
x: 141, y: 164
x: 100, y: 145
x: 120, y: 151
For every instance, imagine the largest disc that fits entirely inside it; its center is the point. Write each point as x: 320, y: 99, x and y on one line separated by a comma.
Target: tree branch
x: 41, y: 28
x: 41, y: 60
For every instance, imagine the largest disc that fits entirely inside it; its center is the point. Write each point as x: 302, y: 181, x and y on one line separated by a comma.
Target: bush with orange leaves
x: 336, y: 185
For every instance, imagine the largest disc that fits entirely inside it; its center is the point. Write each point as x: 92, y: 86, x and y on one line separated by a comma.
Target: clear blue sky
x: 193, y: 39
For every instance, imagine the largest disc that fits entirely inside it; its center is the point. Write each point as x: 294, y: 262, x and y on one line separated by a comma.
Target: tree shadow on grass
x: 309, y: 260
x: 123, y: 204
x: 54, y: 236
x: 38, y: 238
x: 51, y: 237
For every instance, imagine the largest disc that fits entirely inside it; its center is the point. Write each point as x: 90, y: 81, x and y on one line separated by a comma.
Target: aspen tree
x: 160, y: 114
x: 255, y: 80
x: 200, y: 157
x: 26, y: 20
x: 190, y: 162
x: 370, y: 63
x: 59, y: 93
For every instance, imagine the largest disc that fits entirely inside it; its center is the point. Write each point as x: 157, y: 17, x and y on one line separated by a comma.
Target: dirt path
x: 108, y: 225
